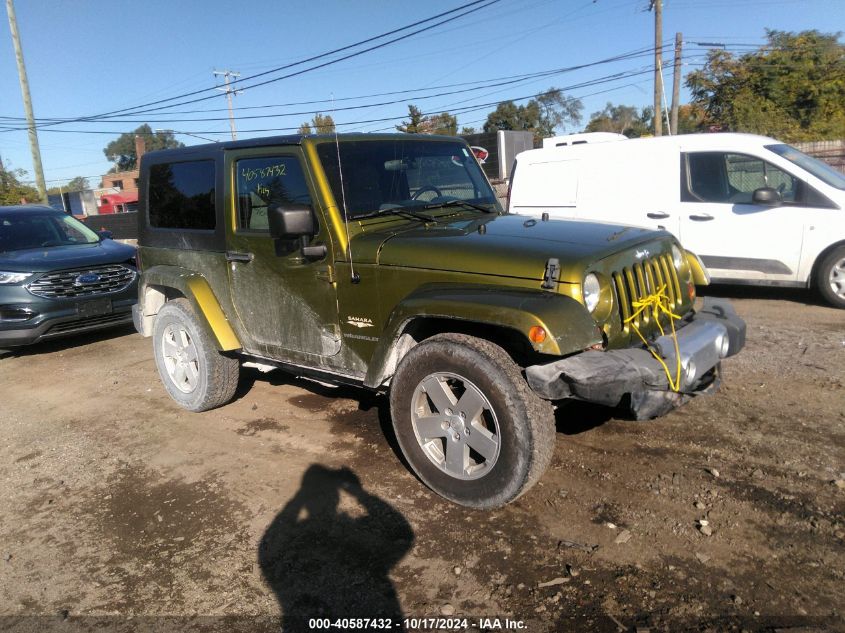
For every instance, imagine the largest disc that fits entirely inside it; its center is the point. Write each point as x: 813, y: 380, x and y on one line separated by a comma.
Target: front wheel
x: 830, y: 277
x: 195, y: 374
x: 468, y: 423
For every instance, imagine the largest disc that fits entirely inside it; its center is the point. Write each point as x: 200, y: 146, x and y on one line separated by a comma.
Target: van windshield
x: 819, y: 169
x: 389, y: 174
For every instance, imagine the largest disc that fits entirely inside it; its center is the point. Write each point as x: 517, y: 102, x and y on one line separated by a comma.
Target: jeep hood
x: 506, y: 245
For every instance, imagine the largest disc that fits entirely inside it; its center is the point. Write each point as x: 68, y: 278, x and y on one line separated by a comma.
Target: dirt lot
x: 293, y: 500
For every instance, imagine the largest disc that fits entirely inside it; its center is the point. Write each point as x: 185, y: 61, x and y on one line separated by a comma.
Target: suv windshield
x: 37, y: 229
x: 819, y: 169
x: 381, y: 175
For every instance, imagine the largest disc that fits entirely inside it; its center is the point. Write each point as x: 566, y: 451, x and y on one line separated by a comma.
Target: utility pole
x: 228, y: 90
x: 657, y: 7
x: 40, y: 185
x: 676, y: 83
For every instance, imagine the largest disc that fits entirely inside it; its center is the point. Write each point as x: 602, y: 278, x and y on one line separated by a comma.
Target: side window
x: 181, y: 195
x: 707, y: 177
x: 733, y: 178
x: 747, y: 173
x: 265, y: 181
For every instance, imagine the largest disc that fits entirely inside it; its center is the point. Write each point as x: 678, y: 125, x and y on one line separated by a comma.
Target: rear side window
x: 181, y: 196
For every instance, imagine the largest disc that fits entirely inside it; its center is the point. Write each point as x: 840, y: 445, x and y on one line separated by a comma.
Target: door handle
x: 704, y: 217
x: 231, y: 256
x: 658, y: 216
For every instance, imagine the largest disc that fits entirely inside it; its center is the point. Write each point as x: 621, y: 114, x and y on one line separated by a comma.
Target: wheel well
x: 155, y: 296
x: 514, y: 343
x: 812, y: 281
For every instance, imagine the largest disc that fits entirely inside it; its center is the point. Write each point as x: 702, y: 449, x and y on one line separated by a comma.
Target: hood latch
x: 551, y: 274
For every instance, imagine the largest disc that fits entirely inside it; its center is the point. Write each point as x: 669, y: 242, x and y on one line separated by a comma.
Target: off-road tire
x: 216, y: 374
x: 525, y: 421
x: 832, y: 266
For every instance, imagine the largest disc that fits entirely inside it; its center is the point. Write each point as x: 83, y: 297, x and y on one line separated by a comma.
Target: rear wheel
x: 194, y: 373
x: 468, y: 423
x: 830, y: 277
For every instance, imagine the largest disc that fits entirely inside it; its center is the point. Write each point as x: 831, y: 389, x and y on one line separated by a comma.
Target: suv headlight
x: 12, y: 278
x: 677, y: 257
x: 591, y: 292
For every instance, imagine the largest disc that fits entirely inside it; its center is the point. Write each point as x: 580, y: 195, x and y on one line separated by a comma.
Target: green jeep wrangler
x: 385, y: 261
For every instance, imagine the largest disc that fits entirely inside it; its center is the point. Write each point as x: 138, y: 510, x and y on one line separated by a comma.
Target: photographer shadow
x: 323, y: 561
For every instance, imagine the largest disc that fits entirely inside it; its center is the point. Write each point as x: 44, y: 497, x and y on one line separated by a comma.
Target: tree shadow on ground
x: 329, y: 552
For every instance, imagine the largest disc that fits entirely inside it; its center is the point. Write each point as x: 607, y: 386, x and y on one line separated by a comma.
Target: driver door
x: 284, y: 301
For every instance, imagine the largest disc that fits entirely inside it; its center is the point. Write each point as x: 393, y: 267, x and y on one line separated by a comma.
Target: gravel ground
x: 292, y: 502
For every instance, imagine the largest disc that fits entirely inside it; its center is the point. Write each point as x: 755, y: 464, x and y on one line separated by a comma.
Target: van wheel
x: 468, y: 423
x: 830, y: 277
x: 194, y: 373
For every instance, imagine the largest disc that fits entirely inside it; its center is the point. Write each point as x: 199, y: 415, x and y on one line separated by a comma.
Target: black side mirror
x: 767, y: 196
x: 104, y: 235
x: 291, y: 222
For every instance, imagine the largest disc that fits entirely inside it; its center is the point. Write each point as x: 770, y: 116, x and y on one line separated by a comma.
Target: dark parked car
x: 58, y: 277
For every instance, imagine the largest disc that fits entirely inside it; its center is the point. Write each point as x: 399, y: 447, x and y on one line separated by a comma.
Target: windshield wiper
x: 407, y: 212
x: 455, y: 203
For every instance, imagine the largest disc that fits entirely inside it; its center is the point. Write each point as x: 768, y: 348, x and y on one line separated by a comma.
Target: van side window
x: 181, y: 195
x: 733, y: 178
x: 265, y: 181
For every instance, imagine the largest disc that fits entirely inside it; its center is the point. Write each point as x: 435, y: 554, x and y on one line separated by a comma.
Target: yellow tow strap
x: 657, y: 303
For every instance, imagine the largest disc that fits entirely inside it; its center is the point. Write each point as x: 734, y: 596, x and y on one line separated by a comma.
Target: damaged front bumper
x: 613, y: 377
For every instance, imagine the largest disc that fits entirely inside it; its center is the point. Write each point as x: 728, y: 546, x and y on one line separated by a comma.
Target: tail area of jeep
x: 386, y: 262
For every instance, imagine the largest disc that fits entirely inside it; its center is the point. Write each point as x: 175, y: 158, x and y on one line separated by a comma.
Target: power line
x: 468, y: 8
x: 599, y: 81
x: 504, y: 81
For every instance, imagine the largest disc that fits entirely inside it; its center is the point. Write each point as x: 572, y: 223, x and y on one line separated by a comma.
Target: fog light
x: 723, y: 345
x: 536, y: 334
x: 16, y: 314
x: 689, y: 372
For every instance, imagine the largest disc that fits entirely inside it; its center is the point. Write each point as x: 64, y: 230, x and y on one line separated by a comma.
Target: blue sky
x: 91, y: 56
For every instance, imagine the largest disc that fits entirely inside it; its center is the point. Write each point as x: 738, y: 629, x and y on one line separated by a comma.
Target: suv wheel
x: 194, y: 373
x: 830, y: 277
x: 468, y: 423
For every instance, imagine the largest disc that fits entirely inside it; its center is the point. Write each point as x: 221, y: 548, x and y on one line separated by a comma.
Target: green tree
x: 542, y: 115
x: 691, y: 119
x: 320, y: 124
x: 793, y: 87
x: 468, y: 129
x: 419, y: 123
x: 79, y: 183
x: 622, y: 119
x: 12, y: 190
x: 121, y: 151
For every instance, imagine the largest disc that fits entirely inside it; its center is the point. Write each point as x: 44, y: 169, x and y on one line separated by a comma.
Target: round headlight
x: 592, y: 292
x: 677, y: 257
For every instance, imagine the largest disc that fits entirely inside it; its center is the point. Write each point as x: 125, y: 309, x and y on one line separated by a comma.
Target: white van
x: 753, y: 209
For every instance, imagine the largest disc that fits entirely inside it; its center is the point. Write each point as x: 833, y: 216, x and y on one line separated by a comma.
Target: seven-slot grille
x: 642, y: 279
x: 83, y: 282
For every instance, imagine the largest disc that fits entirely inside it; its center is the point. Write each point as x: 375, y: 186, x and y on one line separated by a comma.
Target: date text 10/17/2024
x: 417, y: 624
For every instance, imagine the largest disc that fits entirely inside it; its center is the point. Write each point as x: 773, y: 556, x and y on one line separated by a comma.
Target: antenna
x: 354, y: 277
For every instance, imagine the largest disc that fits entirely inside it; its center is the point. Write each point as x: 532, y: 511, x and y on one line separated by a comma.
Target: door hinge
x: 551, y: 274
x: 326, y: 274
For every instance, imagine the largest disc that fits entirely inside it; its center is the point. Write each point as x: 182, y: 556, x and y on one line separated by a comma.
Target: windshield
x: 819, y: 169
x: 380, y: 175
x: 34, y: 229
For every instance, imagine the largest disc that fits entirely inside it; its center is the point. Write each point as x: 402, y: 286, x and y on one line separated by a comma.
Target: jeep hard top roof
x: 206, y: 149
